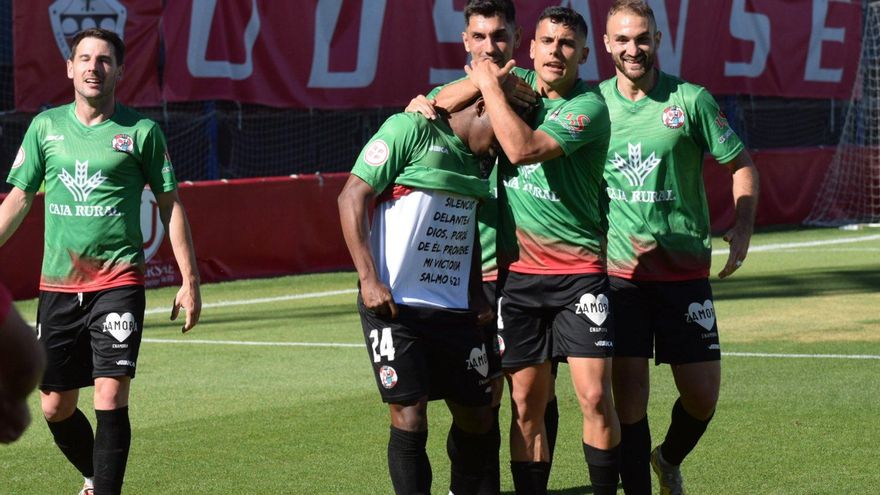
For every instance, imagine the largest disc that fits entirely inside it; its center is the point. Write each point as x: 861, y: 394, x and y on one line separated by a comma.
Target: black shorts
x: 555, y: 317
x: 433, y: 352
x: 88, y: 335
x: 677, y: 319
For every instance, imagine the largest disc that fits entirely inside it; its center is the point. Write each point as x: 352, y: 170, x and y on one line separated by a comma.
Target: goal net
x: 850, y: 193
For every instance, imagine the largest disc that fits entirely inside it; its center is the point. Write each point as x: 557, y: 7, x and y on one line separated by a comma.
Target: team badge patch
x: 673, y: 117
x: 500, y: 346
x: 388, y: 377
x: 123, y: 143
x: 376, y: 153
x: 19, y: 158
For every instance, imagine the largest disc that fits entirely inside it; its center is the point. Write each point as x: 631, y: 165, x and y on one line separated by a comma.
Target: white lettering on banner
x: 200, y: 31
x: 447, y: 243
x: 749, y: 26
x: 670, y: 56
x: 448, y: 26
x: 370, y: 33
x: 818, y: 34
x: 589, y: 70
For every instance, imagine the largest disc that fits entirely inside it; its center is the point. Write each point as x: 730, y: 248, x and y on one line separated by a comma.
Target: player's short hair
x: 101, y: 34
x: 567, y: 17
x: 637, y: 7
x: 490, y: 8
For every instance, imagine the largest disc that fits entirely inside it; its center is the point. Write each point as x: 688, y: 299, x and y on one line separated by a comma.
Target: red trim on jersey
x: 552, y: 257
x: 5, y: 303
x: 395, y: 191
x: 653, y: 264
x: 90, y: 275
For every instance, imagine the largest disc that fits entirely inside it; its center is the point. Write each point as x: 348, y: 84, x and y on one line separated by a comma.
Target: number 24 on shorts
x: 384, y: 346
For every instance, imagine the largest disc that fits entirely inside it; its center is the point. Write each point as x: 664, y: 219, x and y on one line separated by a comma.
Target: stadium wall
x: 249, y: 228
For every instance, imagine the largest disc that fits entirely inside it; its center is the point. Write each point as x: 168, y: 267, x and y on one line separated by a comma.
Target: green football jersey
x: 423, y: 231
x: 94, y: 178
x: 556, y: 204
x: 657, y: 212
x: 494, y: 221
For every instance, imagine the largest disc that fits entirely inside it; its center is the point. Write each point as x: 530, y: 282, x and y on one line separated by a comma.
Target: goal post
x: 850, y: 192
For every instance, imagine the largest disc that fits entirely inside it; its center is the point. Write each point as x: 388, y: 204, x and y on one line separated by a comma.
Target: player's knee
x: 56, y: 409
x: 701, y: 406
x: 593, y: 400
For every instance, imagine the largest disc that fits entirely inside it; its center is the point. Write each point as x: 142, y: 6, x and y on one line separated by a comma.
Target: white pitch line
x: 339, y: 344
x: 244, y: 342
x: 790, y: 245
x: 262, y: 300
x: 801, y: 356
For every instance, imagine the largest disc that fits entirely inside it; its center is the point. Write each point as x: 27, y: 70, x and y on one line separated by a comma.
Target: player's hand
x: 189, y: 297
x: 421, y: 104
x: 518, y: 92
x: 14, y: 418
x: 485, y: 311
x: 484, y: 73
x: 738, y: 237
x: 378, y: 299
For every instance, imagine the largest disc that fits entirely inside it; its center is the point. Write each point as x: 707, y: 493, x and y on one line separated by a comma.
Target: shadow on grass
x: 575, y: 490
x: 802, y: 283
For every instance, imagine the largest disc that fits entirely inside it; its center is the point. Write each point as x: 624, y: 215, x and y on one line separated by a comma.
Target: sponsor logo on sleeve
x: 19, y: 158
x: 376, y: 153
x: 673, y: 117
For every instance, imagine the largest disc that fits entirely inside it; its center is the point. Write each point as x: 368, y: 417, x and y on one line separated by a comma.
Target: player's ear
x: 480, y: 107
x: 584, y: 55
x: 517, y: 37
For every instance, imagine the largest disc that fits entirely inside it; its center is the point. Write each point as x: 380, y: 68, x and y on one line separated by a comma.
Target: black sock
x: 469, y: 454
x: 112, y: 441
x: 408, y: 462
x: 603, y: 466
x: 530, y: 478
x: 491, y: 482
x: 683, y: 434
x: 551, y: 424
x: 76, y: 440
x: 635, y: 457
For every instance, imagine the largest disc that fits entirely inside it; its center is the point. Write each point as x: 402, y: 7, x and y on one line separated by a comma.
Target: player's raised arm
x: 353, y: 204
x: 745, y: 200
x: 12, y: 211
x: 189, y: 296
x: 520, y: 143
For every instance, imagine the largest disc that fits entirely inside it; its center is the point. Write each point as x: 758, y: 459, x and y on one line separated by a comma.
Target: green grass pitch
x: 800, y: 326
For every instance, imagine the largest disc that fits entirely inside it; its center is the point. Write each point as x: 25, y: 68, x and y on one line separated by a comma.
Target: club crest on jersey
x: 123, y: 143
x: 673, y: 117
x: 721, y: 120
x: 387, y: 377
x: 19, y: 158
x: 376, y: 153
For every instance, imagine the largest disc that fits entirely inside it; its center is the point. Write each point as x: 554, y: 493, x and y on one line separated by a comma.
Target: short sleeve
x: 156, y: 162
x: 29, y: 167
x: 714, y: 131
x: 388, y: 151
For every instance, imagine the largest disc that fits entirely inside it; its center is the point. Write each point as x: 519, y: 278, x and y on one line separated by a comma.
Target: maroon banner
x: 280, y: 226
x: 42, y: 31
x: 373, y: 53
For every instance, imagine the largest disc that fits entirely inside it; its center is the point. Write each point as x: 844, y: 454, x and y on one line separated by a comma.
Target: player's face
x: 557, y: 51
x: 632, y: 43
x: 93, y: 69
x: 490, y: 37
